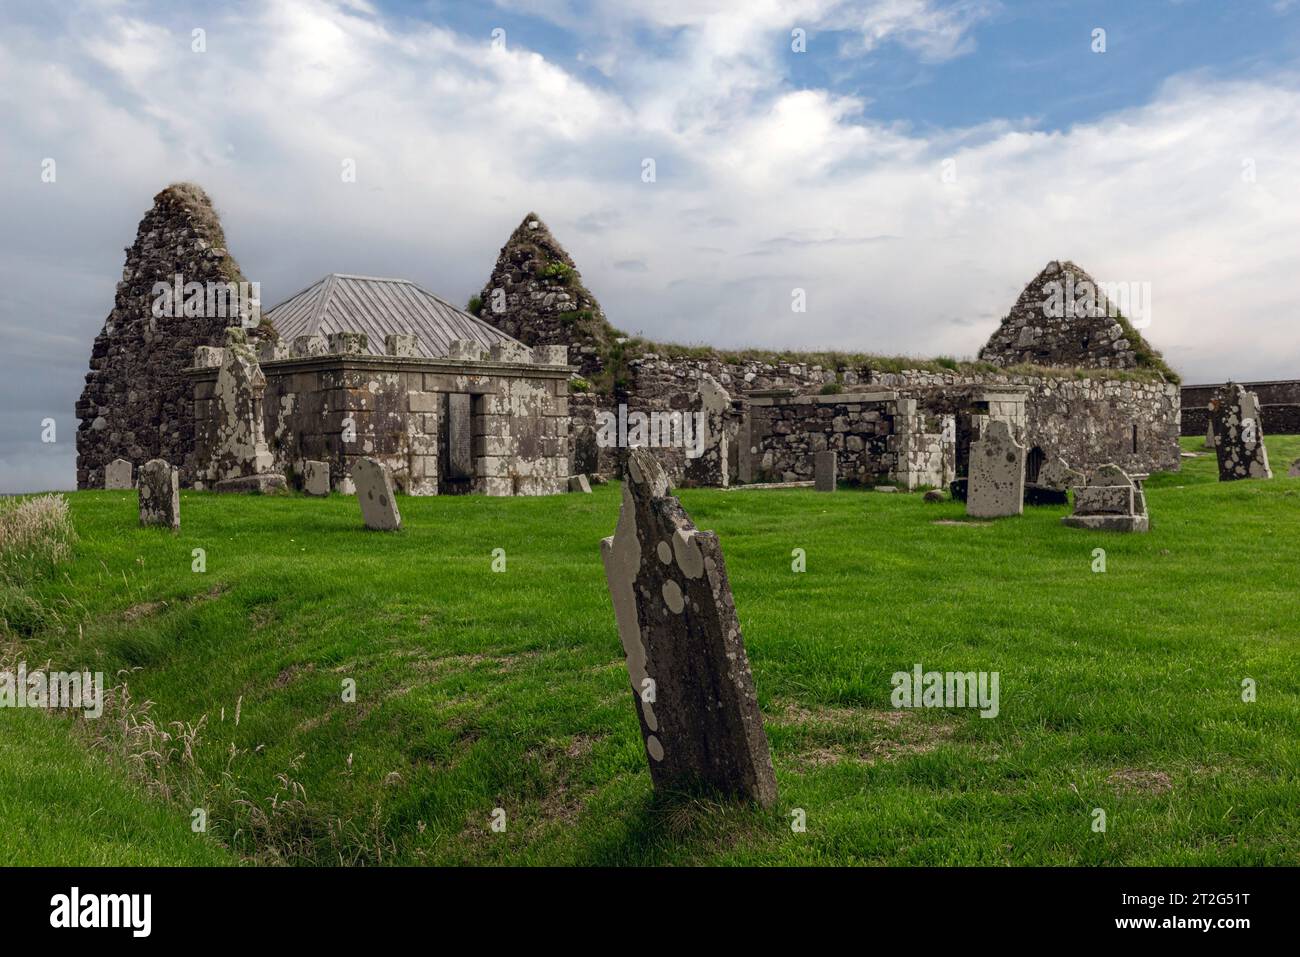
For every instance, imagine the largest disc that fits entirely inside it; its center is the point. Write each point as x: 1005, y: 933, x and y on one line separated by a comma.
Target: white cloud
x: 761, y: 187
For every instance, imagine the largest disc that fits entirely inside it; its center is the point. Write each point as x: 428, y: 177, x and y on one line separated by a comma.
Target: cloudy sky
x: 910, y: 168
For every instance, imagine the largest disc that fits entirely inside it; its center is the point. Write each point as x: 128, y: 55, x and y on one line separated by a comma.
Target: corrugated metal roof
x: 377, y: 307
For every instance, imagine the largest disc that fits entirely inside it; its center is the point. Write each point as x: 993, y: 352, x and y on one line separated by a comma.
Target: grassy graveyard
x: 477, y: 689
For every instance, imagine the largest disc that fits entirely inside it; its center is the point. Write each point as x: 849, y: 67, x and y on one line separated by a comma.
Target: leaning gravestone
x: 117, y: 474
x: 691, y: 681
x: 316, y: 478
x: 1112, y: 501
x: 996, y: 480
x: 579, y: 483
x: 824, y: 470
x: 160, y: 495
x: 1238, y: 434
x: 375, y: 493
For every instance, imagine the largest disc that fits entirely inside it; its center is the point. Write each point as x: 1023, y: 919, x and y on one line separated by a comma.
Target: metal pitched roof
x: 377, y: 307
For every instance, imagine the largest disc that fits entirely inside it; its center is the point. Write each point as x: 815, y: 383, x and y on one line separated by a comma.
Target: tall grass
x: 36, y: 535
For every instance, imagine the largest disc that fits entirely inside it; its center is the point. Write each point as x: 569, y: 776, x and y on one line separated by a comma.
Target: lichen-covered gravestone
x: 241, y: 461
x: 825, y: 465
x: 375, y: 493
x: 117, y: 474
x: 316, y: 478
x: 1238, y: 434
x: 996, y: 480
x: 1112, y: 501
x: 160, y: 494
x: 690, y: 676
x: 709, y: 468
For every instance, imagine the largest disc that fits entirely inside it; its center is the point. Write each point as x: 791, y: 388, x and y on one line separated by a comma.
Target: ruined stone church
x: 507, y: 396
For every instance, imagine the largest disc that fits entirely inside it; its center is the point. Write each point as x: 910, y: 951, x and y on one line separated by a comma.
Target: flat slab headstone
x: 579, y: 483
x: 825, y: 469
x: 316, y: 478
x: 1238, y: 434
x: 1111, y: 501
x: 691, y: 681
x: 375, y: 493
x: 996, y: 481
x: 117, y: 475
x: 265, y: 483
x: 160, y: 494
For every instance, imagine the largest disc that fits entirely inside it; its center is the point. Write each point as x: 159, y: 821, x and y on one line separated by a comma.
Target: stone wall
x: 137, y: 402
x: 495, y: 425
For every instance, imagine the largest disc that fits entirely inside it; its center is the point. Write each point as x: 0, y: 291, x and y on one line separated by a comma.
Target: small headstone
x: 1294, y: 470
x: 691, y: 682
x: 579, y: 483
x: 316, y: 478
x: 160, y: 494
x: 401, y: 344
x: 825, y: 466
x: 375, y: 493
x: 117, y: 474
x: 996, y: 483
x: 1238, y: 434
x: 1112, y: 501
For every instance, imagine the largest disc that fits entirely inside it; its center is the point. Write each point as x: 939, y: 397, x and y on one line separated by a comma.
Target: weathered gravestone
x: 160, y: 494
x: 1294, y: 470
x: 117, y: 474
x: 1055, y: 479
x: 691, y: 682
x: 1238, y: 434
x: 375, y: 493
x: 996, y: 480
x: 825, y: 467
x: 709, y: 468
x: 241, y: 461
x: 316, y: 478
x: 579, y: 483
x: 1112, y: 501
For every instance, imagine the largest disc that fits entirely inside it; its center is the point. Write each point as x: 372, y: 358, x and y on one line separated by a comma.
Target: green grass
x: 478, y: 690
x: 61, y: 805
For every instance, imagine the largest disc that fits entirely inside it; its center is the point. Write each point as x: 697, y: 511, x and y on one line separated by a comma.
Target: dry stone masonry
x: 535, y: 294
x: 1238, y: 431
x: 375, y: 493
x: 997, y: 474
x: 137, y: 403
x: 686, y: 660
x: 159, y: 495
x: 1064, y: 318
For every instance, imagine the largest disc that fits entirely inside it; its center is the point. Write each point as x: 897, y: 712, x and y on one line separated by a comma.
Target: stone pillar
x: 709, y: 467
